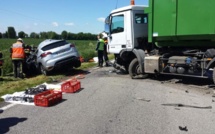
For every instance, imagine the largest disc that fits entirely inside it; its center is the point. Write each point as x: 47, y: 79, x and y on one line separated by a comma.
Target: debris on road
x: 183, y: 128
x: 35, y: 90
x: 80, y: 76
x: 143, y: 99
x: 189, y: 106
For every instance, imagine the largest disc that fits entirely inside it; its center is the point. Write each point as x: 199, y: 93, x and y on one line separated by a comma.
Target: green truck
x: 174, y: 37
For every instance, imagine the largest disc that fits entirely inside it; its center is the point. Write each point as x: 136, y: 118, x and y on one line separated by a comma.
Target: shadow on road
x: 6, y: 123
x: 79, y: 90
x: 71, y: 72
x: 76, y: 72
x: 183, y: 80
x: 58, y: 103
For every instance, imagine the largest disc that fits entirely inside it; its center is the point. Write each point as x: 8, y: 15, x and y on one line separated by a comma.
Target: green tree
x: 21, y: 34
x: 5, y: 35
x: 43, y: 35
x: 34, y: 35
x: 71, y: 36
x: 0, y: 35
x: 52, y: 35
x: 64, y: 35
x: 26, y: 35
x: 11, y: 32
x: 80, y: 36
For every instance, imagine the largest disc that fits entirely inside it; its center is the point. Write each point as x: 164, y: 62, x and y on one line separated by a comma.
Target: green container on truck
x: 181, y: 22
x: 172, y: 37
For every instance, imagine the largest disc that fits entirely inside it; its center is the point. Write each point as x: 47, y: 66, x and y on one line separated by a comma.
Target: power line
x: 116, y: 3
x: 20, y: 14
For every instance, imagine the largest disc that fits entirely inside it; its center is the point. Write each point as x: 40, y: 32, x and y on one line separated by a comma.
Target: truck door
x: 117, y: 37
x: 140, y: 27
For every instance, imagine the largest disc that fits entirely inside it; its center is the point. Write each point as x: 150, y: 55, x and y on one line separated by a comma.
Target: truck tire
x: 135, y: 70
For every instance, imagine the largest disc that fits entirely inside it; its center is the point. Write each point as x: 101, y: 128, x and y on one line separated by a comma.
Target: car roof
x: 47, y: 42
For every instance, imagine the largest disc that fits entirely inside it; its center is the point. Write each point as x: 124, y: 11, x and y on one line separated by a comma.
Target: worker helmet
x: 20, y: 39
x: 104, y: 35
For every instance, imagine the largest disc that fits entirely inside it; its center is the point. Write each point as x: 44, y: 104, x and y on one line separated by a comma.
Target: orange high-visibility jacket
x: 18, y: 51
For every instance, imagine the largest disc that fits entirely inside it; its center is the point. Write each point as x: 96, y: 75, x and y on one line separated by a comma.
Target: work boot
x: 100, y: 65
x: 107, y: 65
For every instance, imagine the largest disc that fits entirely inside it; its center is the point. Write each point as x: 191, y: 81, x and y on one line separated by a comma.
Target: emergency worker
x: 105, y: 52
x: 18, y: 56
x: 100, y: 50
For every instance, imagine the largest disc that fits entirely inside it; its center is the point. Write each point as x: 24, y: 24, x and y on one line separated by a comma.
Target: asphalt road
x: 111, y: 103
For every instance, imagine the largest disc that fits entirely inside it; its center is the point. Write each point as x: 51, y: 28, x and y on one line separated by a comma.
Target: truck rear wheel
x: 135, y: 70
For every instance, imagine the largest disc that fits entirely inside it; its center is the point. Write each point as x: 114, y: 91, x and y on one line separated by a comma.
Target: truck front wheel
x: 135, y: 70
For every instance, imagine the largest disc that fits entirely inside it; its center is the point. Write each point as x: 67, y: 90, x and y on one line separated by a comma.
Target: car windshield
x: 54, y: 45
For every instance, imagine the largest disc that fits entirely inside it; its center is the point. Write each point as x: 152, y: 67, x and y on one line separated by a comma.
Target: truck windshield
x: 117, y: 24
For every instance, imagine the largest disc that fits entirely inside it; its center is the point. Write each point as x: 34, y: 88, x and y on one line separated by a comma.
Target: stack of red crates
x: 71, y: 86
x: 48, y: 98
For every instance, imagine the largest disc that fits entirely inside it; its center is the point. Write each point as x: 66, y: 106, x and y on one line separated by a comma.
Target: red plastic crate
x: 76, y: 85
x: 47, y: 98
x: 71, y: 86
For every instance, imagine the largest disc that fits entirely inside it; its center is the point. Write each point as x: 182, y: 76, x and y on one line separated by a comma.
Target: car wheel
x: 43, y: 71
x: 77, y: 64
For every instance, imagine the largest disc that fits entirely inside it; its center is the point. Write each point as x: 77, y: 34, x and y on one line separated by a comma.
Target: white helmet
x: 104, y: 35
x: 20, y: 39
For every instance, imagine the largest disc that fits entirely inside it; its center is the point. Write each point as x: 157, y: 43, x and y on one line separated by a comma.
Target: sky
x: 73, y: 16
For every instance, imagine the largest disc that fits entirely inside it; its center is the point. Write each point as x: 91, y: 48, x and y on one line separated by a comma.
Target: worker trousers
x: 100, y: 57
x: 18, y: 68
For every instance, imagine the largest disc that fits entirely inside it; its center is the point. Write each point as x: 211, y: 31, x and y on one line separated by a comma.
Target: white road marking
x: 8, y: 106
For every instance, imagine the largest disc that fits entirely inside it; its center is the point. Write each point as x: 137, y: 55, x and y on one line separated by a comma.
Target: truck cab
x: 125, y: 26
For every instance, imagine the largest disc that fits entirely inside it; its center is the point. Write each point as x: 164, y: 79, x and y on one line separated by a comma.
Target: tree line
x: 11, y: 33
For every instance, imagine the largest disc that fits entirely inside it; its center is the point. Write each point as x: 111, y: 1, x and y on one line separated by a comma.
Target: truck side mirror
x: 107, y: 25
x: 107, y: 28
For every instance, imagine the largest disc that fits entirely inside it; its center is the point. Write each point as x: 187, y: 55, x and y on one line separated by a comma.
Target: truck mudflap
x: 140, y: 54
x: 211, y: 64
